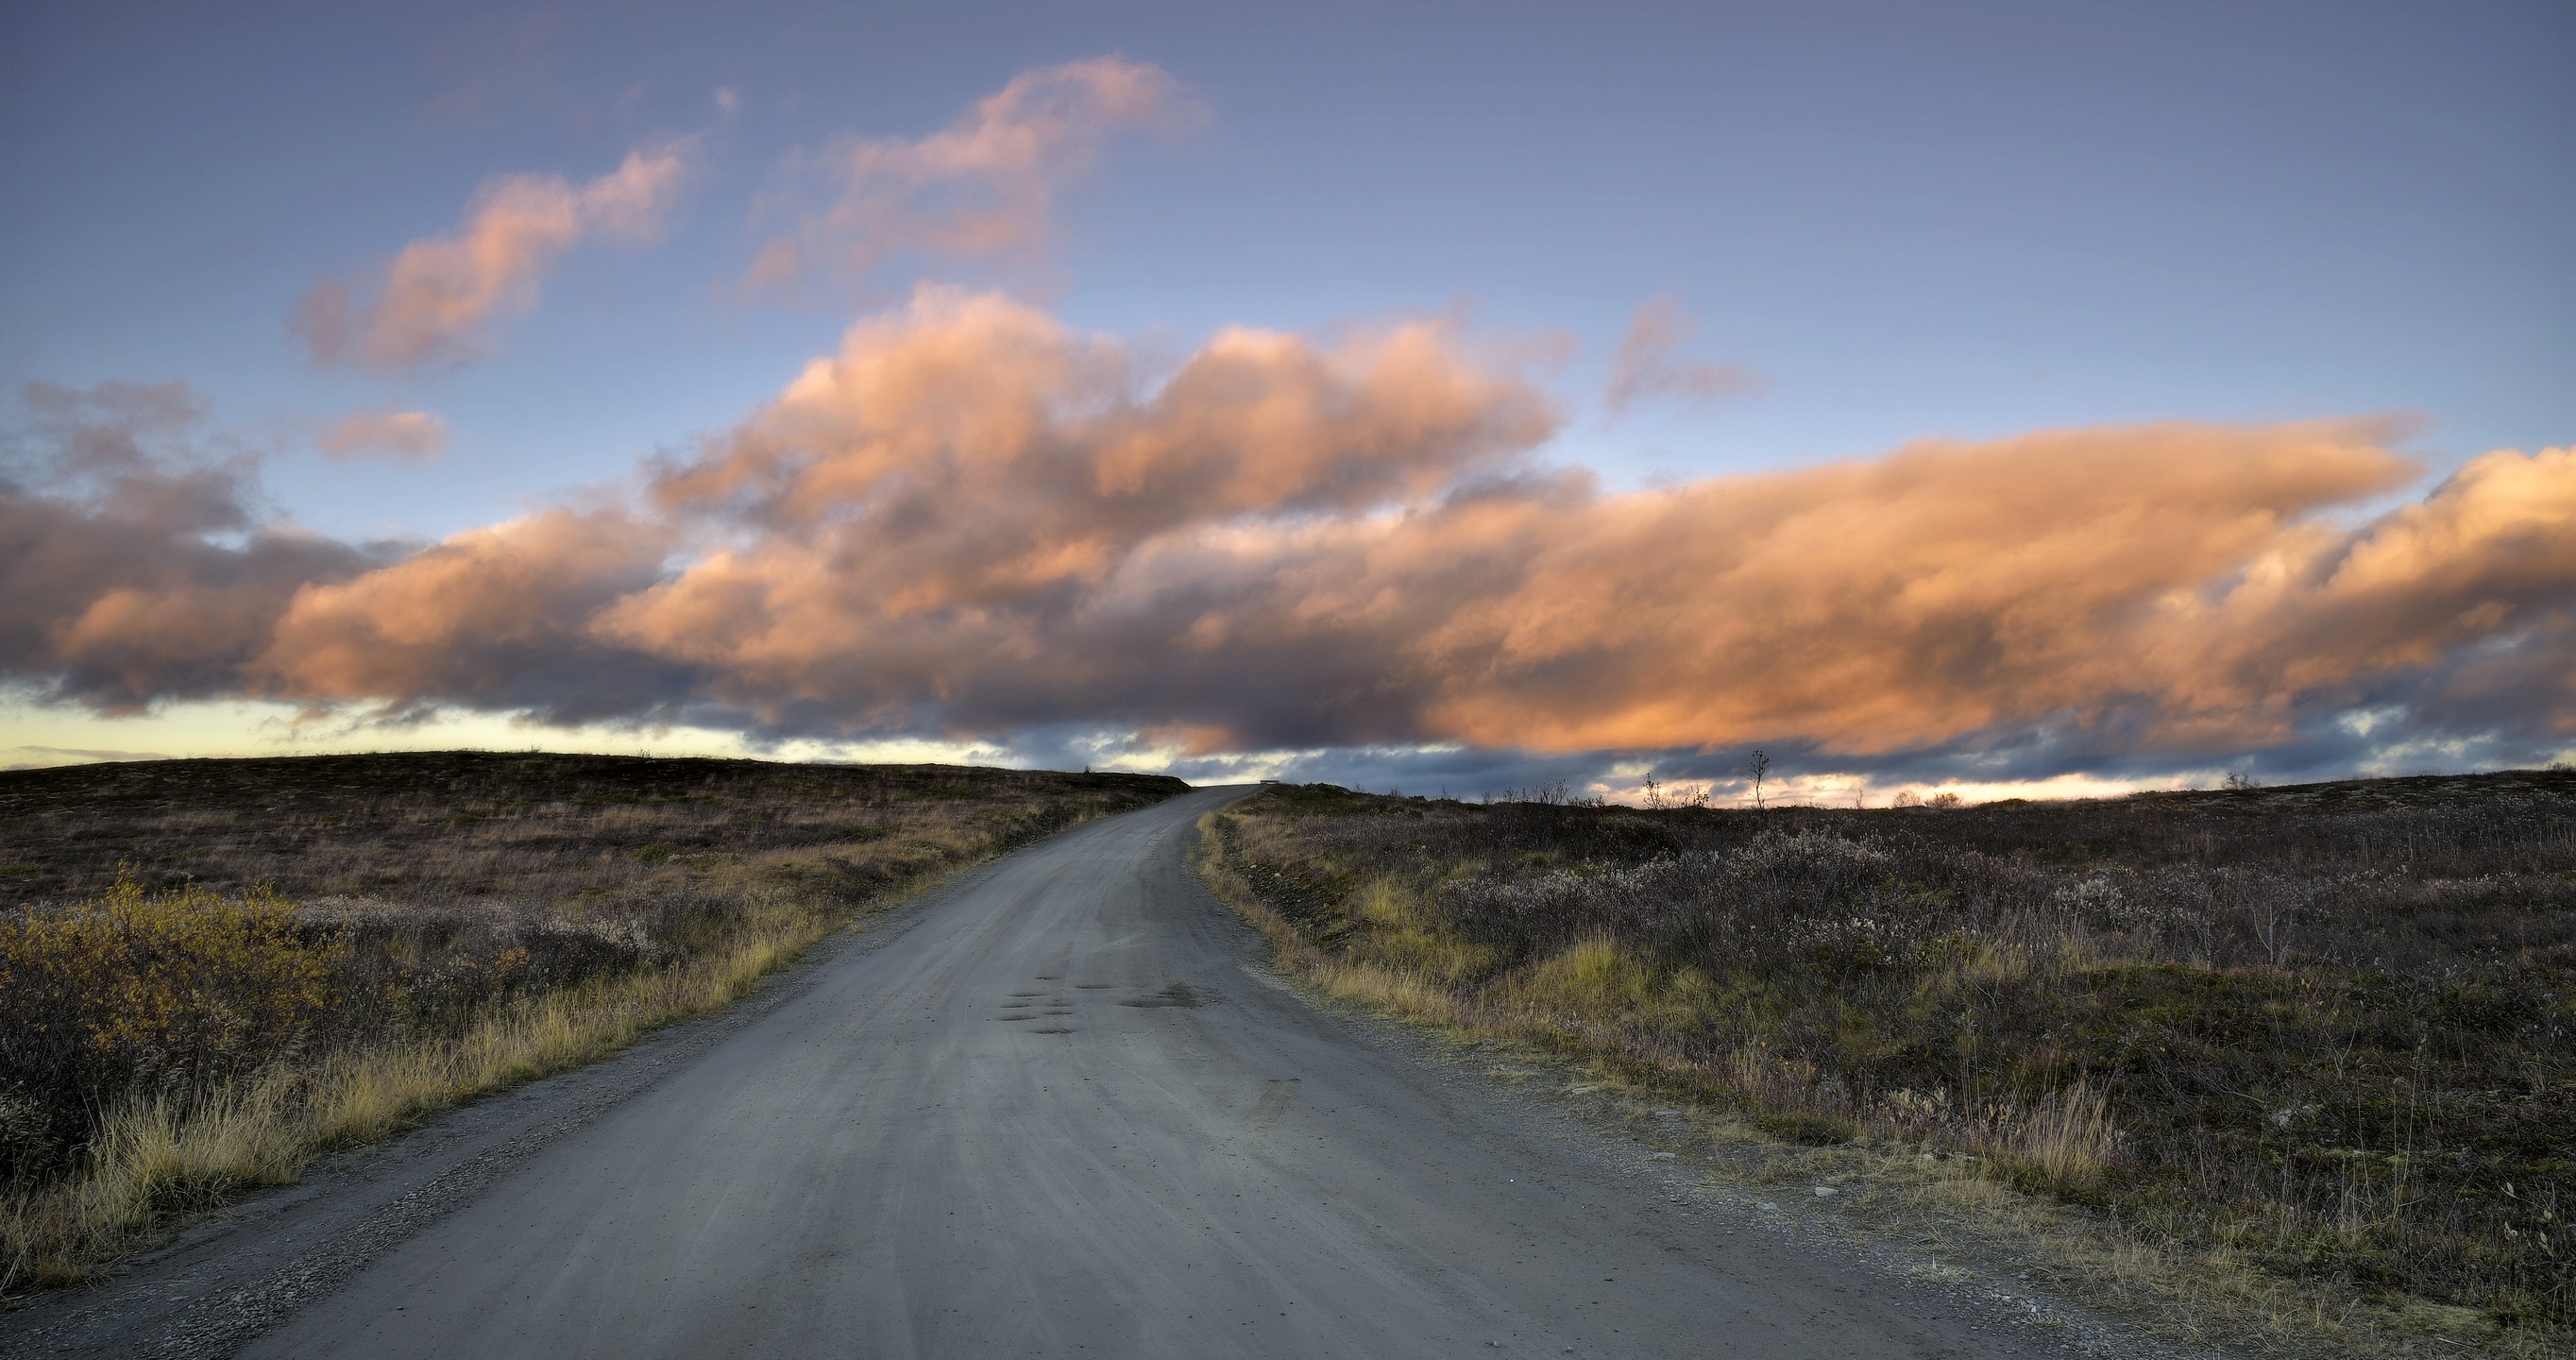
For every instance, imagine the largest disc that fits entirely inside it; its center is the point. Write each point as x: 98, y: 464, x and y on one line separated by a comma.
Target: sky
x: 2003, y: 398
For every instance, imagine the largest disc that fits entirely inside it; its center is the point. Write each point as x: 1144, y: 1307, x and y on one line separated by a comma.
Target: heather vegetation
x: 211, y: 970
x: 2321, y: 1035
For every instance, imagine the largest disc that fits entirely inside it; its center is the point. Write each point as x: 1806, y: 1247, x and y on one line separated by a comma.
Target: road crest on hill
x: 1058, y: 1107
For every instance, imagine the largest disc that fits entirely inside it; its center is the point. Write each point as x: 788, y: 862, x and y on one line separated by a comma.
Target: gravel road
x: 1056, y: 1109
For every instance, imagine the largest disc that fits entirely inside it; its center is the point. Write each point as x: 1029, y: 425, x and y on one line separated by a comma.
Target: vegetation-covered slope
x: 2330, y: 1030
x: 212, y: 969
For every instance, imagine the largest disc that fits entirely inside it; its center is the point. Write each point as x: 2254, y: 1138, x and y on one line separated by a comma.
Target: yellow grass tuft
x: 2070, y: 1137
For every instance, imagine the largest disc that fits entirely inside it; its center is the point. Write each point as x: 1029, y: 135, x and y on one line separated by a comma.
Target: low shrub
x: 213, y: 969
x: 139, y: 990
x: 2331, y: 1028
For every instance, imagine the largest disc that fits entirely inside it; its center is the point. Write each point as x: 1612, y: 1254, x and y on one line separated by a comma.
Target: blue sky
x: 1959, y: 221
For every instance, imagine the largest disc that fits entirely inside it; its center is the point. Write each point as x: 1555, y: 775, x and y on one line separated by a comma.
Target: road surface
x: 1062, y: 1111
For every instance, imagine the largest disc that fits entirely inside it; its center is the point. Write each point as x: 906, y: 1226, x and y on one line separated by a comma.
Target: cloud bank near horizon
x: 1339, y: 554
x: 974, y: 521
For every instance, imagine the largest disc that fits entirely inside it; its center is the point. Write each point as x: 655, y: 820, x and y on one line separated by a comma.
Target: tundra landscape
x: 2286, y: 1053
x: 1764, y: 679
x: 213, y: 971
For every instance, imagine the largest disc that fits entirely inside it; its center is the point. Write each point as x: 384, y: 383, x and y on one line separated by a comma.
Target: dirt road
x: 1060, y: 1111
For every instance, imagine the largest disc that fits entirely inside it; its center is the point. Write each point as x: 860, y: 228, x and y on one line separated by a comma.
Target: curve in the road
x: 1059, y: 1115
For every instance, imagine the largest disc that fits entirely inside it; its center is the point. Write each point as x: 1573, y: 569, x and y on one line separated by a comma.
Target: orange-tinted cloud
x: 974, y: 519
x: 984, y: 186
x: 440, y: 295
x: 1645, y: 365
x: 134, y: 562
x: 405, y: 436
x: 971, y: 478
x: 491, y: 617
x: 967, y: 514
x: 1944, y: 590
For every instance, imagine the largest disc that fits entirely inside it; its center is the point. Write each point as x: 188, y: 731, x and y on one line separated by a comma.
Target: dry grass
x: 452, y: 925
x: 2286, y: 1070
x: 1390, y: 991
x: 2069, y: 1138
x: 159, y: 1156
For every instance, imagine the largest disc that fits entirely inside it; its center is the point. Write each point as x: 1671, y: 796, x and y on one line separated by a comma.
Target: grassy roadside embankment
x: 212, y: 972
x: 2281, y: 1069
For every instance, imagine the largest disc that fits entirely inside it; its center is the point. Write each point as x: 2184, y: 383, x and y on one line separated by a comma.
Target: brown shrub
x: 2331, y: 1026
x: 141, y: 990
x: 194, y: 953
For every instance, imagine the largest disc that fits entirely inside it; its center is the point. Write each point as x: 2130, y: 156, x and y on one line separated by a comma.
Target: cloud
x: 1645, y: 367
x: 974, y: 521
x: 984, y: 186
x: 405, y: 436
x: 965, y: 518
x: 439, y: 296
x: 969, y: 478
x: 87, y: 754
x: 137, y: 561
x: 491, y: 618
x: 2173, y: 584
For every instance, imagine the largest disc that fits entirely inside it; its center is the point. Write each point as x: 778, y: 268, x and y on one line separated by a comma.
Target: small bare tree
x: 1760, y: 765
x: 2275, y: 911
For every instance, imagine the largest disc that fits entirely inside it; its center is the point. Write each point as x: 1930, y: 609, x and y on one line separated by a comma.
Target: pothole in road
x: 1179, y: 994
